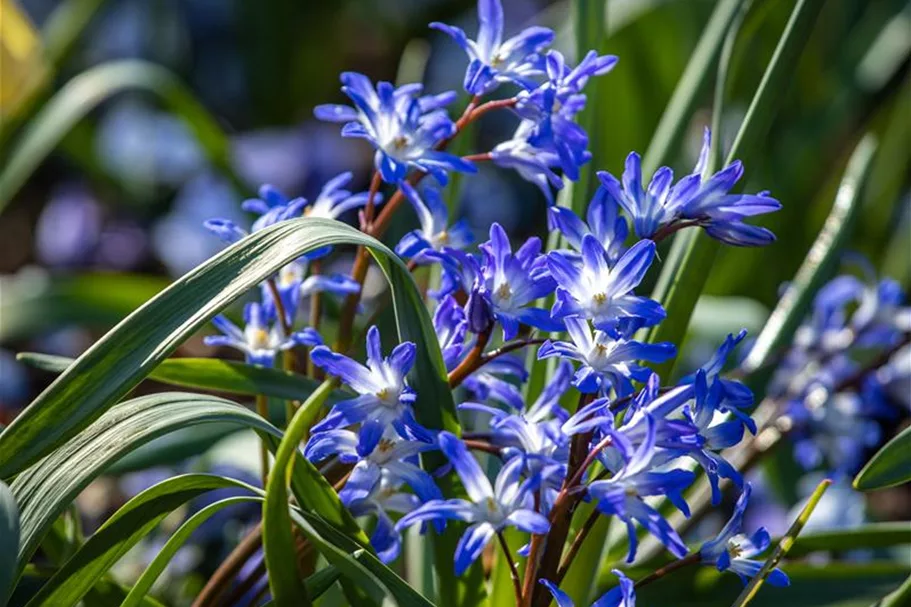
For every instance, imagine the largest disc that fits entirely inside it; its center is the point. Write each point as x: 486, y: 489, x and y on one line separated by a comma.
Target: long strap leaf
x: 278, y: 541
x: 45, y: 490
x: 133, y: 521
x: 132, y: 349
x: 9, y: 536
x: 692, y: 254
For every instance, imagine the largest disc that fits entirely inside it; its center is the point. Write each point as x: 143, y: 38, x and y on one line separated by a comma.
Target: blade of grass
x: 890, y: 466
x: 749, y: 593
x: 693, y: 253
x: 9, y: 536
x: 817, y: 266
x: 88, y: 90
x: 278, y: 540
x: 677, y: 114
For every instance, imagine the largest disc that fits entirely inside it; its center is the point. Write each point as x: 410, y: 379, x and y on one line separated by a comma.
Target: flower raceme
x: 604, y: 428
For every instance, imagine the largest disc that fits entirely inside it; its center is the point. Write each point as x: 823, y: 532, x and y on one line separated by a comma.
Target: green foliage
x: 207, y: 374
x: 692, y: 255
x: 9, y: 536
x: 45, y: 490
x: 890, y: 466
x: 818, y: 266
x: 89, y: 89
x: 136, y: 519
x: 784, y: 545
x: 129, y: 352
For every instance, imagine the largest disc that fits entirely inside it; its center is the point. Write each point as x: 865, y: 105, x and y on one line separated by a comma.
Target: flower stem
x: 377, y: 228
x: 471, y: 362
x: 690, y: 559
x: 513, y: 571
x: 577, y: 544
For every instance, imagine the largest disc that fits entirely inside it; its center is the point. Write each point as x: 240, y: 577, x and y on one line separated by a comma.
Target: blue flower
x: 262, y: 337
x: 373, y: 455
x: 715, y: 436
x: 272, y: 206
x: 489, y: 382
x: 608, y: 361
x: 623, y: 595
x: 384, y: 397
x: 535, y: 434
x: 384, y: 497
x: 502, y: 284
x: 707, y: 203
x: 732, y: 550
x: 596, y: 290
x: 494, y: 61
x: 736, y: 395
x: 435, y: 231
x: 604, y: 223
x: 450, y: 326
x: 534, y: 164
x: 553, y: 107
x: 488, y: 509
x: 405, y: 129
x: 622, y: 494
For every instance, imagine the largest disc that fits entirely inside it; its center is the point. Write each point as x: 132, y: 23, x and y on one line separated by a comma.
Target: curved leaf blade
x: 132, y: 349
x: 890, y: 466
x: 89, y: 89
x: 145, y: 582
x: 278, y: 541
x: 205, y: 374
x: 134, y: 520
x: 817, y: 266
x: 9, y: 537
x: 45, y: 490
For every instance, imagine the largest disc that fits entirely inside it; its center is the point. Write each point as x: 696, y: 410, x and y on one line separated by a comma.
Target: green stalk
x: 749, y: 593
x: 693, y: 253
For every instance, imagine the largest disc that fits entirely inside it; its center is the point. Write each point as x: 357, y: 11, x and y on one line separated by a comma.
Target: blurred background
x: 180, y: 109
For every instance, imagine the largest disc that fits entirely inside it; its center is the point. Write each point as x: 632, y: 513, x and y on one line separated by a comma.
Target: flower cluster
x: 605, y: 428
x: 847, y: 372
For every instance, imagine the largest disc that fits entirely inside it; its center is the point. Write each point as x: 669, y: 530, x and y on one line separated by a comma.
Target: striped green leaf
x: 133, y: 521
x: 46, y: 489
x: 136, y: 346
x: 692, y: 254
x: 890, y: 466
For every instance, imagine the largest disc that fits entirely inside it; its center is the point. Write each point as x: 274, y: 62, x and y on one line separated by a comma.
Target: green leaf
x: 9, y: 537
x: 871, y: 536
x: 87, y: 91
x: 749, y: 593
x: 590, y: 25
x: 890, y: 466
x: 143, y: 585
x: 206, y: 374
x: 817, y: 266
x: 278, y: 540
x: 898, y: 597
x: 676, y: 116
x: 46, y: 489
x: 132, y: 349
x: 133, y: 521
x: 386, y: 581
x: 692, y: 254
